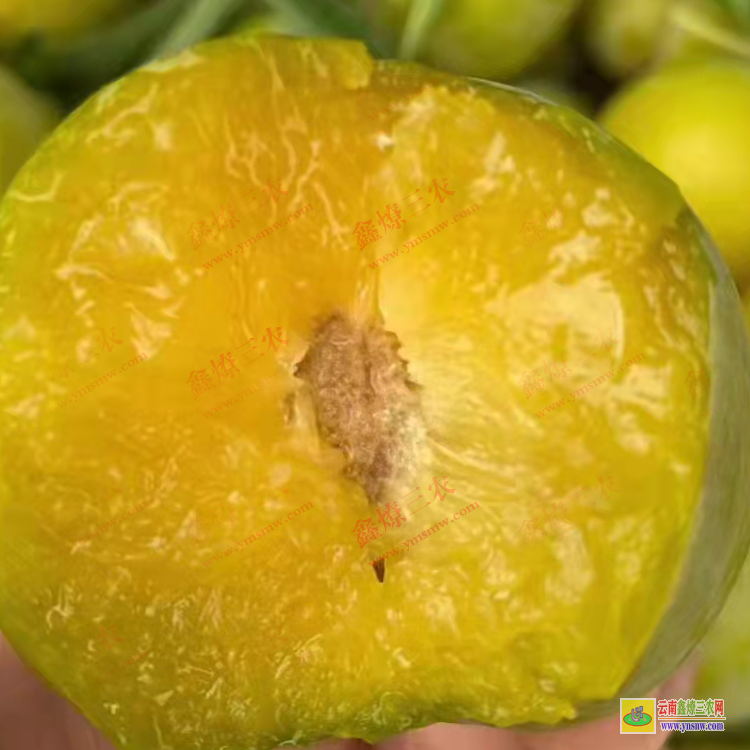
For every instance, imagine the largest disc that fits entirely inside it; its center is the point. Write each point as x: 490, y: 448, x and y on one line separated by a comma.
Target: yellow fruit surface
x: 574, y: 257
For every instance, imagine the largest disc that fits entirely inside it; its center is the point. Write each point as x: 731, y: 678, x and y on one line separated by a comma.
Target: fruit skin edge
x: 718, y: 574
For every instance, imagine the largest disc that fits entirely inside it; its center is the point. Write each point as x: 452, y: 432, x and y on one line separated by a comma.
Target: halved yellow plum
x: 347, y: 397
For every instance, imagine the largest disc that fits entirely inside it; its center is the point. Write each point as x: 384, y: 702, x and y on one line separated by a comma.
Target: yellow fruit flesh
x: 293, y: 636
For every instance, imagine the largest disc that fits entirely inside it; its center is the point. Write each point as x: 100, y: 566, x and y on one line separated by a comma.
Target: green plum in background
x: 55, y: 17
x: 26, y: 117
x: 624, y: 36
x: 692, y: 121
x: 484, y: 38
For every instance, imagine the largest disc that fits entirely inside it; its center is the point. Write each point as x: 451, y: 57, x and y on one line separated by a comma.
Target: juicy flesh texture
x: 293, y: 636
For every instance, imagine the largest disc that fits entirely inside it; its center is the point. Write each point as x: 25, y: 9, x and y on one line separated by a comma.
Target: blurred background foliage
x: 669, y: 77
x: 73, y: 47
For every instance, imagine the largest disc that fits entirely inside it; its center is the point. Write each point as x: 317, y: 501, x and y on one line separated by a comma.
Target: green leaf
x: 423, y: 15
x: 332, y: 18
x: 700, y: 25
x: 201, y: 20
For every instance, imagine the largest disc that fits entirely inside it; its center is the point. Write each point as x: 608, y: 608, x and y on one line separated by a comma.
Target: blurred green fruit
x: 484, y: 38
x: 622, y: 34
x: 692, y: 121
x: 26, y: 117
x: 21, y: 17
x: 559, y: 61
x: 625, y: 35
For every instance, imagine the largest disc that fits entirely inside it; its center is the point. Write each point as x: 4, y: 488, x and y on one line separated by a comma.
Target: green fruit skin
x: 26, y: 118
x: 692, y: 121
x: 486, y: 38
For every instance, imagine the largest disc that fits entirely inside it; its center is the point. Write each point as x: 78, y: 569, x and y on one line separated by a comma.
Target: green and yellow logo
x: 637, y: 715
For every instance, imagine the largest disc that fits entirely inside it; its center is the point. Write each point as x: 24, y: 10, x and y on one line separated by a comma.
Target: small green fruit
x: 485, y: 38
x: 19, y: 18
x: 692, y: 121
x: 622, y: 34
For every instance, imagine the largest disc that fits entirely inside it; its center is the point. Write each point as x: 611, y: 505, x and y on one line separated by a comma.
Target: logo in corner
x: 637, y: 715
